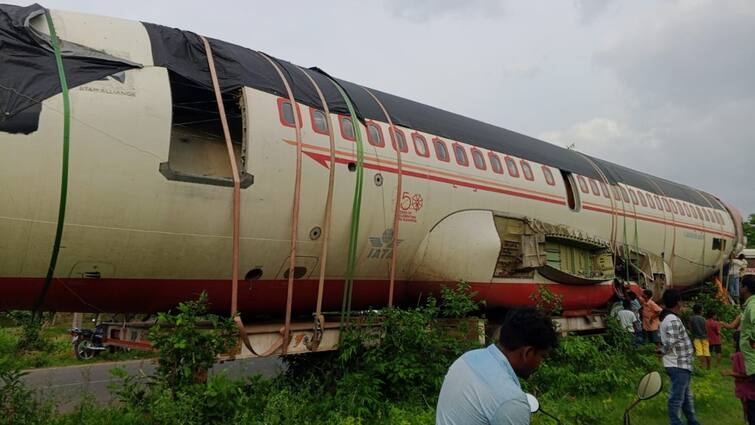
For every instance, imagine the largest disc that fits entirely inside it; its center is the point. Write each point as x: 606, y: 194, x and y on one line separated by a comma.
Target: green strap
x: 64, y: 172
x: 355, y: 211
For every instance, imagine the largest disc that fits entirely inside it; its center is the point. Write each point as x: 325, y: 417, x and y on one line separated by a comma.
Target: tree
x: 749, y: 227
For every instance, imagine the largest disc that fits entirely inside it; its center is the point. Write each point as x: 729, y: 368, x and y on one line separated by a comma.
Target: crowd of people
x: 482, y: 386
x: 679, y: 342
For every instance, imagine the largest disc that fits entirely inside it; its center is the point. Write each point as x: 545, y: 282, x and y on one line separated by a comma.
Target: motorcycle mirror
x: 534, y: 404
x: 650, y: 385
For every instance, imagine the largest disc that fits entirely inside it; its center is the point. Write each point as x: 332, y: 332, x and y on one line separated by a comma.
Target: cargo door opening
x: 572, y: 196
x: 198, y: 152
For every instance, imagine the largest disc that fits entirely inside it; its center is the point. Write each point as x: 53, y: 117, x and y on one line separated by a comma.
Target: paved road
x: 68, y: 385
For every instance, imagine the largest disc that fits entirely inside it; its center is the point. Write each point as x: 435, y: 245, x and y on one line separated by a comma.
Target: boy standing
x: 700, y: 335
x: 713, y: 326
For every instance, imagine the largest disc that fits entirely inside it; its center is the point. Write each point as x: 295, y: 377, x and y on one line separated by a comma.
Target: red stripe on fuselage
x: 267, y: 297
x: 324, y: 159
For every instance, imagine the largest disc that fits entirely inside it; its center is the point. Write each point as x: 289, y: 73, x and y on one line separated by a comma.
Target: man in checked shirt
x: 677, y: 359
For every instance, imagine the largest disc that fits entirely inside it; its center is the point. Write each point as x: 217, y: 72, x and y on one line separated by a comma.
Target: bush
x: 18, y: 404
x: 187, y: 349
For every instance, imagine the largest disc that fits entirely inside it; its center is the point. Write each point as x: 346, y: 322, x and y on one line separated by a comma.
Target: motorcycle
x: 649, y: 387
x: 87, y: 343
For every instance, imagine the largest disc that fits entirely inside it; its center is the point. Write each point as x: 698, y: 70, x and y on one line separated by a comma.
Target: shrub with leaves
x: 18, y: 404
x: 188, y: 347
x: 546, y: 301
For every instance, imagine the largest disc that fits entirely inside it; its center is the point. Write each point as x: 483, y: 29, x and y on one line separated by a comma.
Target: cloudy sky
x: 666, y: 87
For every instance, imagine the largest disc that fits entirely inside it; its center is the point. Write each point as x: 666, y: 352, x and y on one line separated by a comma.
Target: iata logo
x: 411, y: 203
x: 382, y: 246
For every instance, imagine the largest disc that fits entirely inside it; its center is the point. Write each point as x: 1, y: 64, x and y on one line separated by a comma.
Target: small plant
x: 547, y: 302
x: 17, y: 403
x: 31, y: 331
x: 187, y: 349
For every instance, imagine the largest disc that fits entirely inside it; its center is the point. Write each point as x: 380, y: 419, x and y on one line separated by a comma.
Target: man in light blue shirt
x: 482, y: 386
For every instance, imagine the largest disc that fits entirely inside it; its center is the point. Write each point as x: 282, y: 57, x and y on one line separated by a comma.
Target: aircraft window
x: 527, y: 170
x: 548, y: 176
x: 658, y: 202
x: 643, y: 201
x: 495, y: 163
x: 650, y: 201
x: 616, y: 194
x: 720, y: 218
x: 707, y: 217
x: 604, y: 190
x: 286, y: 113
x: 319, y: 122
x: 594, y: 187
x: 478, y: 159
x: 694, y: 212
x: 686, y: 209
x: 461, y: 155
x: 347, y: 129
x: 633, y: 195
x: 375, y: 135
x: 673, y: 207
x: 572, y: 196
x: 700, y: 213
x: 511, y: 166
x: 197, y: 151
x: 441, y: 151
x: 583, y: 184
x: 399, y: 139
x: 420, y: 145
x: 681, y: 208
x: 624, y: 194
x: 666, y: 205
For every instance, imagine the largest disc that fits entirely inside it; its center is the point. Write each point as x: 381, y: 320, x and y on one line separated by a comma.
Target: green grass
x: 58, y: 351
x: 714, y: 402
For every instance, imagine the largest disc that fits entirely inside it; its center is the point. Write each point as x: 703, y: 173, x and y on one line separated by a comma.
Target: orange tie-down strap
x: 319, y: 319
x: 297, y: 198
x: 236, y: 197
x: 397, y: 207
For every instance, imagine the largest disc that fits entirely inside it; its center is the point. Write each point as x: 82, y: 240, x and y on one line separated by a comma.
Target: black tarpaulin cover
x: 182, y: 52
x: 28, y: 73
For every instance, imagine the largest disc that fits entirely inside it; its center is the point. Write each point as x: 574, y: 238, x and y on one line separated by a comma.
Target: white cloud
x: 426, y: 10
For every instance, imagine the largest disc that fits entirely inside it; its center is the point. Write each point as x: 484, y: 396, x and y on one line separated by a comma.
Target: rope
x: 397, y: 209
x: 295, y: 210
x: 328, y: 203
x: 64, y: 171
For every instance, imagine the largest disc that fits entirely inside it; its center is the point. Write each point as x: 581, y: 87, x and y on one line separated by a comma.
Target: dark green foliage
x: 187, y: 349
x: 31, y: 331
x: 546, y: 301
x: 749, y: 230
x: 709, y: 301
x: 591, y: 364
x: 387, y: 360
x: 18, y: 405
